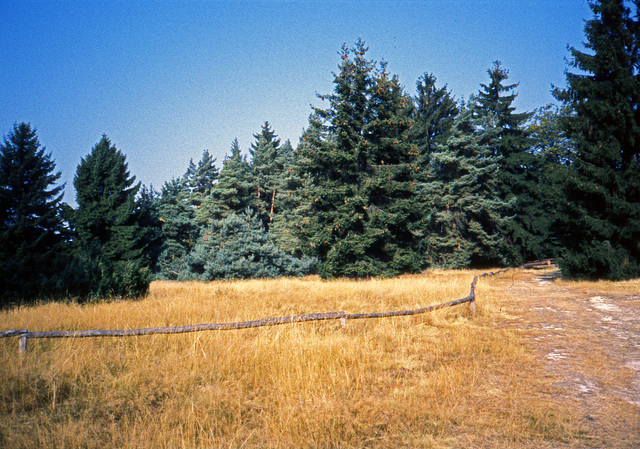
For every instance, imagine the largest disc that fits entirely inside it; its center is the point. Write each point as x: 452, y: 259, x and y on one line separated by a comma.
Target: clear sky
x: 165, y: 80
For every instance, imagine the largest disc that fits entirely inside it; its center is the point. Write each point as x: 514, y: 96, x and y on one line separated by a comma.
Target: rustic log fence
x: 24, y: 334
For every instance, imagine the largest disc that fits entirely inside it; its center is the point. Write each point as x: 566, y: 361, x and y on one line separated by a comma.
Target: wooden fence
x: 24, y: 334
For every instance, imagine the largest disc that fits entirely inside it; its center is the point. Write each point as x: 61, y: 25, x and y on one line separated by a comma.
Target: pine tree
x: 554, y: 152
x: 466, y: 213
x: 435, y: 111
x: 31, y: 228
x: 289, y: 220
x: 105, y: 223
x: 234, y: 191
x: 239, y: 247
x: 202, y: 178
x: 602, y: 233
x: 519, y: 168
x: 394, y: 210
x: 180, y: 231
x: 359, y: 160
x: 267, y: 165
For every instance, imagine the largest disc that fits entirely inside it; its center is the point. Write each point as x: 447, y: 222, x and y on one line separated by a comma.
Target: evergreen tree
x: 105, y: 223
x: 234, y: 191
x: 239, y: 247
x: 394, y: 210
x: 466, y: 212
x: 267, y: 165
x: 554, y: 152
x: 202, y: 178
x: 602, y: 233
x: 518, y: 177
x: 435, y: 111
x: 148, y: 216
x: 287, y: 222
x: 358, y: 157
x: 31, y: 228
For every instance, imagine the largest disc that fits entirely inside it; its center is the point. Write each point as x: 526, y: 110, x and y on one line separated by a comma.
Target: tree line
x: 382, y: 182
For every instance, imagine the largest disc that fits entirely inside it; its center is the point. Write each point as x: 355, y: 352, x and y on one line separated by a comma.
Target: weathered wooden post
x: 22, y: 343
x: 472, y: 295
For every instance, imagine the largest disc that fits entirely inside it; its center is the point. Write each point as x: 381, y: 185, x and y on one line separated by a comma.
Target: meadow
x: 442, y: 379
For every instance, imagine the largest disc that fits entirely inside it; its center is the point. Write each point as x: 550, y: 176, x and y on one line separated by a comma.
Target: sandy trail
x: 588, y: 343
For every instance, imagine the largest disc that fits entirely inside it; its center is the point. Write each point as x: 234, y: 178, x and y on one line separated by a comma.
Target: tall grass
x: 436, y: 380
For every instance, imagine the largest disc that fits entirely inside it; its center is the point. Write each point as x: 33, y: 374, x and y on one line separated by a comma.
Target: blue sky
x: 165, y: 80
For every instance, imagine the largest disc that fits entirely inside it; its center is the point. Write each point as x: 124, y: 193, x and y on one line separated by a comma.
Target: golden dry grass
x: 444, y: 379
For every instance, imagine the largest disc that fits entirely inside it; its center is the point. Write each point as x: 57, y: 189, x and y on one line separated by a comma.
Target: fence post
x: 22, y: 343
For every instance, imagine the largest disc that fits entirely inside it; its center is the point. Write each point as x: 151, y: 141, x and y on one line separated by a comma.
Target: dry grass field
x: 445, y: 379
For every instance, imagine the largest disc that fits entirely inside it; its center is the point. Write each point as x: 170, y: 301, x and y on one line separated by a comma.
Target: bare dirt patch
x: 587, y: 338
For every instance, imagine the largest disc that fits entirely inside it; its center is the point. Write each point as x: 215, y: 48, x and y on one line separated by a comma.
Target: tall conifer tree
x: 267, y: 165
x: 519, y: 168
x: 106, y: 225
x: 234, y: 191
x: 602, y: 233
x: 358, y: 156
x: 434, y: 114
x: 31, y: 227
x: 466, y: 214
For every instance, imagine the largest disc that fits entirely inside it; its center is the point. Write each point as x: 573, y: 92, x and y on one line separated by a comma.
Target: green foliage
x: 360, y: 160
x: 234, y: 191
x: 239, y: 247
x: 434, y: 114
x: 109, y: 239
x: 602, y: 190
x: 466, y: 217
x: 518, y: 177
x: 598, y: 260
x: 267, y: 165
x: 180, y: 231
x: 31, y: 228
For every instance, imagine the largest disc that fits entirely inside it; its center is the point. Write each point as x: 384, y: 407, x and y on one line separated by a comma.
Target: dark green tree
x: 234, y: 191
x: 554, y: 151
x: 394, y: 210
x: 31, y: 228
x: 289, y: 220
x: 435, y: 111
x: 358, y: 157
x: 602, y: 233
x: 107, y: 232
x: 466, y: 214
x: 518, y: 177
x: 267, y: 166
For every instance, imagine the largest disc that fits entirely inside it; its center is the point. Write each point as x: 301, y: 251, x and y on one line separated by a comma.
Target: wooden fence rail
x: 24, y: 334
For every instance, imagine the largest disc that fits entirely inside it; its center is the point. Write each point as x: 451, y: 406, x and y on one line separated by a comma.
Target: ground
x: 588, y: 337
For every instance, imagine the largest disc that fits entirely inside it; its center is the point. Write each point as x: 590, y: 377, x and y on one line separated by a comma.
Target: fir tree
x: 287, y: 222
x: 554, y: 152
x: 358, y: 157
x: 239, y: 247
x: 466, y: 213
x: 435, y: 111
x: 234, y: 191
x: 518, y: 178
x: 394, y: 210
x: 267, y: 165
x: 180, y: 231
x: 602, y: 232
x: 31, y: 228
x: 105, y: 223
x: 201, y: 178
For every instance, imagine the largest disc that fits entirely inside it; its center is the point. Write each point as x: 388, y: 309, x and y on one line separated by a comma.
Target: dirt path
x: 589, y: 344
